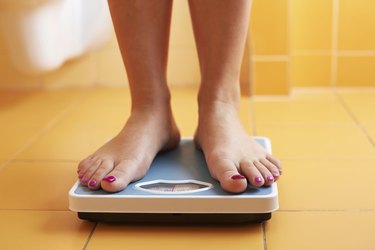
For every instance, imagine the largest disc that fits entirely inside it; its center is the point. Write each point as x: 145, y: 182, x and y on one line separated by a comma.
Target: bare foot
x: 233, y: 158
x: 128, y: 156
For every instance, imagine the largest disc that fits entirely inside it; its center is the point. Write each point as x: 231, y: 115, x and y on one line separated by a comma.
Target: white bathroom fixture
x: 41, y: 35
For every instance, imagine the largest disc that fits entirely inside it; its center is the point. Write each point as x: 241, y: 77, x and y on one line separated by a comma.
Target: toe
x: 84, y: 165
x: 104, y: 168
x: 230, y: 179
x: 267, y: 176
x: 271, y: 168
x: 121, y: 175
x: 90, y: 171
x: 252, y: 173
x: 275, y: 162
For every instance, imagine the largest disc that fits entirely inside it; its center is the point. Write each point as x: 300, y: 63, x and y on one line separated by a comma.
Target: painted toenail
x: 238, y: 177
x: 92, y: 183
x: 85, y: 180
x: 80, y: 176
x: 270, y: 178
x: 276, y: 174
x: 110, y: 178
x: 258, y: 179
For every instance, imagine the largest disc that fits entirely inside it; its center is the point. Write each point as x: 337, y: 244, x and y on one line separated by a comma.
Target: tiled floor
x: 326, y: 141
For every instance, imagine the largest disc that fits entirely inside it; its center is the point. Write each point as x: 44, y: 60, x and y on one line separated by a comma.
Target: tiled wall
x: 270, y: 46
x: 312, y: 43
x: 294, y: 43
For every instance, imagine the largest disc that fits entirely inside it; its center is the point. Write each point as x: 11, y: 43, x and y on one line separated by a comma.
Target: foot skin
x: 128, y: 156
x: 233, y: 158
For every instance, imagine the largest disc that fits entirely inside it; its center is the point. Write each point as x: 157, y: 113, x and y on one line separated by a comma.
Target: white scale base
x: 177, y: 189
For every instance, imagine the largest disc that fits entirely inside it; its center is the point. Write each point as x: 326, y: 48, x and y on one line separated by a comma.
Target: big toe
x: 229, y: 177
x: 118, y: 179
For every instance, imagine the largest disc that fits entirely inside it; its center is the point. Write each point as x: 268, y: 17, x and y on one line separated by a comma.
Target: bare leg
x: 142, y: 30
x: 233, y: 158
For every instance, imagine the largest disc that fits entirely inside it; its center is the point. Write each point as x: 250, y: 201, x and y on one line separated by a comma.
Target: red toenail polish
x: 92, y: 183
x: 110, y: 178
x: 238, y: 177
x: 85, y: 180
x: 270, y: 178
x: 258, y: 180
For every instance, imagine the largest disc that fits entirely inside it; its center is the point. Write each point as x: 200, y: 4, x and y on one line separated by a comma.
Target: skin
x: 142, y: 30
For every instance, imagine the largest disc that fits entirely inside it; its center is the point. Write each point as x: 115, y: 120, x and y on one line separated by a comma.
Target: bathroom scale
x: 177, y: 188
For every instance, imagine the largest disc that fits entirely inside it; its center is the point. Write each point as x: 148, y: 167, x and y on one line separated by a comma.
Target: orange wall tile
x: 269, y: 27
x: 356, y: 25
x: 311, y: 71
x: 356, y: 71
x: 311, y: 24
x: 271, y: 78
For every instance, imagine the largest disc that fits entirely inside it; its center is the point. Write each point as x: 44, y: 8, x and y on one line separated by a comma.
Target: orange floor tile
x: 325, y: 140
x: 344, y: 230
x: 44, y: 230
x: 177, y: 237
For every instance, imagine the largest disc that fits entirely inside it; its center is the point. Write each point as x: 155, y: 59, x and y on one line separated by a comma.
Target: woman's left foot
x: 233, y: 158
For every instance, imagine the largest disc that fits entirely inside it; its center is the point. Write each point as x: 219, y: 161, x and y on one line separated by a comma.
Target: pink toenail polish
x: 110, y: 178
x: 238, y: 177
x: 276, y: 174
x: 80, y: 176
x: 92, y: 183
x: 258, y: 180
x: 85, y: 180
x: 270, y: 178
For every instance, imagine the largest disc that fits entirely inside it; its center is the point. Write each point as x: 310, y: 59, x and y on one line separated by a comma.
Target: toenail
x: 238, y: 177
x: 80, y: 176
x: 276, y: 174
x: 85, y: 180
x: 270, y: 178
x: 110, y: 178
x: 92, y: 183
x: 258, y: 180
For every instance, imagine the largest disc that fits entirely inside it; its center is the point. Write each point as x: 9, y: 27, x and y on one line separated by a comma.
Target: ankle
x: 151, y: 102
x: 213, y: 92
x: 209, y: 100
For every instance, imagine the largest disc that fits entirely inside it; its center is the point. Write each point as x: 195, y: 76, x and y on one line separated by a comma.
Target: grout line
x: 355, y: 119
x: 90, y: 236
x: 20, y: 160
x: 289, y: 44
x: 340, y: 53
x: 264, y: 236
x: 334, y: 44
x: 359, y: 89
x: 314, y: 52
x: 33, y: 210
x: 311, y: 53
x: 252, y: 116
x: 327, y: 210
x: 270, y: 58
x: 280, y: 210
x: 356, y: 53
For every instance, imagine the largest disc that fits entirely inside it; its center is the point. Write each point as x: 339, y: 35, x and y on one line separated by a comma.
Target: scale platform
x: 178, y: 188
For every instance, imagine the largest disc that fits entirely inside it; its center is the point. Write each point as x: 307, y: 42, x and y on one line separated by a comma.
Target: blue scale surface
x: 183, y: 163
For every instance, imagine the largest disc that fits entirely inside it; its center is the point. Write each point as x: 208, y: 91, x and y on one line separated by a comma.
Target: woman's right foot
x: 127, y: 157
